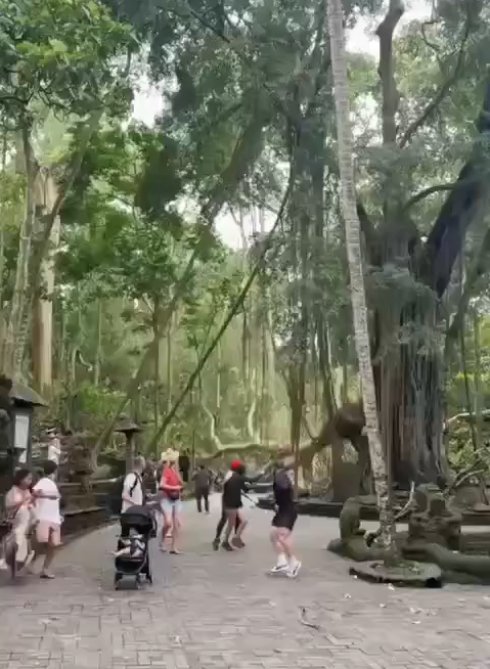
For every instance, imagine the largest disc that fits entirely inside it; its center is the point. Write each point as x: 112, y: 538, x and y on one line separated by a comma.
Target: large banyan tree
x: 255, y: 76
x: 418, y: 264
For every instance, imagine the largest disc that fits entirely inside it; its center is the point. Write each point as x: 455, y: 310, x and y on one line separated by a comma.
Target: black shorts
x: 285, y: 519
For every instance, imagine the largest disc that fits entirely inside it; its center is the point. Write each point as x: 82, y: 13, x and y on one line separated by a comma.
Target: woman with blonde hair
x: 170, y: 487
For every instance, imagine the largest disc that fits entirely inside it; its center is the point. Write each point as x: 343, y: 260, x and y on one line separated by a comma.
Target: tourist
x: 132, y: 491
x: 234, y: 485
x: 171, y: 485
x: 19, y: 514
x: 284, y: 520
x: 47, y: 509
x: 222, y: 521
x: 184, y: 465
x: 202, y: 484
x: 54, y: 446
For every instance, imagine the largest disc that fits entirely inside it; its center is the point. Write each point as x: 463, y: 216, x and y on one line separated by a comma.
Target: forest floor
x: 210, y: 610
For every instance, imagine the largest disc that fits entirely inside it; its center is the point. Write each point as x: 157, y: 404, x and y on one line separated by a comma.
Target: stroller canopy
x: 138, y: 517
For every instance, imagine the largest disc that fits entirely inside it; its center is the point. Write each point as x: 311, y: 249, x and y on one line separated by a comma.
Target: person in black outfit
x: 202, y: 484
x: 184, y: 465
x: 283, y: 521
x: 233, y: 485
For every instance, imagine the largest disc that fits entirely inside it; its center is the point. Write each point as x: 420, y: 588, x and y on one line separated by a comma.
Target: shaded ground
x: 211, y: 610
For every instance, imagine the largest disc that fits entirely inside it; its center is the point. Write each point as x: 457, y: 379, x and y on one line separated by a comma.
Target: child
x: 133, y: 547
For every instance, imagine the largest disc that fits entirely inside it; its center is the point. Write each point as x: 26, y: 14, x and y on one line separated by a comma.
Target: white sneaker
x: 293, y: 569
x: 280, y: 568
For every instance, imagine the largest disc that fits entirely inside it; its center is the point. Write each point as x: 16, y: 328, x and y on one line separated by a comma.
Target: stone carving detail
x: 431, y: 521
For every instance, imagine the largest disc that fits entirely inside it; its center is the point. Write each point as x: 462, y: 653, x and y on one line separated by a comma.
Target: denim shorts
x: 170, y: 505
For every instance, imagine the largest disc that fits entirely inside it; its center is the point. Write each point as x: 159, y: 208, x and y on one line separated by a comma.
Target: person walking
x: 234, y: 466
x: 184, y: 465
x: 202, y: 485
x: 171, y: 485
x: 284, y: 519
x: 233, y: 487
x: 47, y: 510
x: 54, y: 446
x: 19, y: 507
x: 132, y: 491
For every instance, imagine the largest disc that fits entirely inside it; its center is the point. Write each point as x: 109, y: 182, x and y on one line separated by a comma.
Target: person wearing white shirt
x: 54, y: 449
x: 132, y: 493
x: 47, y: 508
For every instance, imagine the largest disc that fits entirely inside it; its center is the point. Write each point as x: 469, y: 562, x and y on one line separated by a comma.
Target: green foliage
x: 58, y: 52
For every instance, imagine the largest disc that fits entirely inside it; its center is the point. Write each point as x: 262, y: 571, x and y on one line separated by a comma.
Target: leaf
x: 58, y: 46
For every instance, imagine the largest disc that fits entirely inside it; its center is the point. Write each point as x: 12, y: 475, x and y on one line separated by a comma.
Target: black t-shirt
x: 232, y: 491
x: 283, y: 491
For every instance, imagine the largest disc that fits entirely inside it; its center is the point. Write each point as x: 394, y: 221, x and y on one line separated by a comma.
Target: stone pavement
x: 211, y: 610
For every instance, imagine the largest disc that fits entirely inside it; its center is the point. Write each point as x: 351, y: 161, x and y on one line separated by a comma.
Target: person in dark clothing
x: 233, y: 487
x: 202, y: 484
x: 184, y: 465
x: 235, y: 465
x: 284, y: 520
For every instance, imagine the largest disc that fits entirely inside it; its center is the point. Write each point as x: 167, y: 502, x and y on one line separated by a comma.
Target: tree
x: 355, y: 261
x: 59, y: 54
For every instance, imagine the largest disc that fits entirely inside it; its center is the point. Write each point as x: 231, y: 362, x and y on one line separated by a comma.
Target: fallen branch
x: 303, y: 621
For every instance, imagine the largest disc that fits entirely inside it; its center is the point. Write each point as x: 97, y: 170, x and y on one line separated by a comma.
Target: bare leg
x: 237, y: 539
x: 231, y: 516
x: 50, y: 553
x: 284, y: 542
x: 284, y: 539
x: 175, y: 530
x: 166, y: 528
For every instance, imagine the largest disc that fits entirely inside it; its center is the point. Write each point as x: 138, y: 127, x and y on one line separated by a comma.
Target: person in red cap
x: 233, y: 478
x: 233, y: 487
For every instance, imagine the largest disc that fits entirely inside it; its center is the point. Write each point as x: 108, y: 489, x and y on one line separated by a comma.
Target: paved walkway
x: 211, y: 610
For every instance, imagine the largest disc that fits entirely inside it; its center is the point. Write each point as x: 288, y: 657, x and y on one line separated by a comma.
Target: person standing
x: 284, y: 520
x: 171, y: 485
x: 233, y: 487
x: 19, y: 509
x: 202, y: 484
x: 132, y: 491
x: 184, y: 465
x: 47, y: 510
x: 54, y: 447
x: 222, y: 521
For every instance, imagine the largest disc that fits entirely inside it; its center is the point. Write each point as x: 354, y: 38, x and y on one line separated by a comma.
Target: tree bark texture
x: 353, y: 242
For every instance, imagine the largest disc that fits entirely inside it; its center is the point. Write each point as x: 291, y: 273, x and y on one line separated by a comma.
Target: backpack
x: 115, y: 501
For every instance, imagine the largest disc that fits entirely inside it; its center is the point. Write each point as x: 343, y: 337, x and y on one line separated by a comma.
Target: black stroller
x: 138, y: 526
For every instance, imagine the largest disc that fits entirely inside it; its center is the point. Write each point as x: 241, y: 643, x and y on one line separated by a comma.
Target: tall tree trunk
x: 478, y: 379
x: 14, y: 336
x: 2, y: 236
x: 354, y: 255
x: 170, y: 334
x: 42, y: 305
x: 98, y: 342
x: 156, y: 364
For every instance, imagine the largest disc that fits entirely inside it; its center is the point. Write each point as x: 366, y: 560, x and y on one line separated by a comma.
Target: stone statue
x: 431, y: 521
